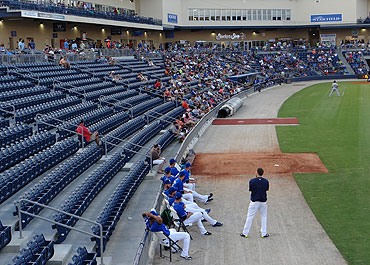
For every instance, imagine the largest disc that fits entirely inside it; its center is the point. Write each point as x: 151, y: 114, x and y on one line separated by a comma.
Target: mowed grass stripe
x: 338, y: 130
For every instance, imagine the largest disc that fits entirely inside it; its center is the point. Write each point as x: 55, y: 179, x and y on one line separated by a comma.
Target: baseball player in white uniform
x: 334, y: 87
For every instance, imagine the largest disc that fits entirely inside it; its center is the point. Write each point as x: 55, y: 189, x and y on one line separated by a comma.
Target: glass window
x: 288, y: 14
x: 238, y: 14
x: 218, y: 14
x: 279, y: 15
x: 201, y: 14
x: 228, y: 14
x: 254, y: 17
x: 249, y: 14
x: 269, y: 14
x: 223, y: 14
x: 213, y: 12
x: 274, y: 11
x: 259, y: 14
x: 244, y: 14
x: 283, y: 16
x: 190, y: 13
x: 206, y: 14
x: 195, y: 14
x: 233, y: 14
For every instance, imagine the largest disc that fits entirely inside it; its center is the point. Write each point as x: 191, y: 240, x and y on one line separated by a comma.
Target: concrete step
x: 106, y: 260
x: 17, y: 243
x: 61, y: 254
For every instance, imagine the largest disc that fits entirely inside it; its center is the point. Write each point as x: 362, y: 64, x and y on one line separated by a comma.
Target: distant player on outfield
x: 334, y: 87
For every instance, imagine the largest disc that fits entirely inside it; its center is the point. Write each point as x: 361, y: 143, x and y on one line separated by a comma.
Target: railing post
x: 20, y: 220
x: 101, y: 244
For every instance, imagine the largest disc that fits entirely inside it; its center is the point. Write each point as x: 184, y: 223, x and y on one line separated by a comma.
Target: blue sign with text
x: 172, y: 18
x: 326, y: 18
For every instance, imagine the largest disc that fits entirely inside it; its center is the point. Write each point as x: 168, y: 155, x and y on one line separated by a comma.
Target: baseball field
x: 338, y: 130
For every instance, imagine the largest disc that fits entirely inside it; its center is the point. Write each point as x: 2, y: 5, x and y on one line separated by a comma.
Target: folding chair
x: 179, y: 223
x: 172, y: 244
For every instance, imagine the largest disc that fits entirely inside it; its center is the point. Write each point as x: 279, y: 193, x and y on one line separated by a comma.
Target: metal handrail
x: 37, y: 119
x: 136, y: 152
x: 25, y: 77
x: 38, y: 76
x: 6, y: 111
x: 20, y: 211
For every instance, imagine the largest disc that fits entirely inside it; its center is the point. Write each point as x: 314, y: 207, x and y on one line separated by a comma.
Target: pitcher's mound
x: 226, y: 164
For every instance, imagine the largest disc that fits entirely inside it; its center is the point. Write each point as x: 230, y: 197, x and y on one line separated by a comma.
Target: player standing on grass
x: 258, y: 187
x: 334, y: 87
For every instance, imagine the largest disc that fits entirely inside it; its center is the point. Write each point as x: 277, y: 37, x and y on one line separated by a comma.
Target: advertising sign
x: 326, y: 18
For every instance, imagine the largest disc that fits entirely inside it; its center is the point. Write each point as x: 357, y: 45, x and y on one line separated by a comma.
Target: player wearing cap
x: 191, y: 207
x: 187, y: 217
x: 167, y: 175
x: 174, y: 170
x: 258, y: 187
x: 179, y: 184
x: 334, y: 87
x: 189, y: 182
x: 155, y: 224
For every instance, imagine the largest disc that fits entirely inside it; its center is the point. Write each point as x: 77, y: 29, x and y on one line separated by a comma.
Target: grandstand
x: 135, y: 74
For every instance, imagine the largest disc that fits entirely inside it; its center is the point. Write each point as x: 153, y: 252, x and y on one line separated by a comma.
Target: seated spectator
x: 142, y: 78
x: 63, y: 62
x: 176, y: 129
x: 87, y: 134
x: 188, y: 217
x: 155, y: 224
x: 156, y: 158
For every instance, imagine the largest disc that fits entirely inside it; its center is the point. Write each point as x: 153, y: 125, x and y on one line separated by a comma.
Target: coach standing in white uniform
x: 258, y: 187
x: 334, y: 87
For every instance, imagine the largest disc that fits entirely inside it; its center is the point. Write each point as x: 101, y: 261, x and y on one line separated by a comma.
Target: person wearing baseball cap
x: 167, y: 175
x: 187, y: 217
x: 155, y: 224
x: 190, y: 206
x: 174, y: 170
x: 179, y: 184
x: 258, y: 187
x: 189, y: 182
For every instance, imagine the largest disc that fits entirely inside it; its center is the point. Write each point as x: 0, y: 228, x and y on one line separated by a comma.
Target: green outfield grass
x: 338, y: 130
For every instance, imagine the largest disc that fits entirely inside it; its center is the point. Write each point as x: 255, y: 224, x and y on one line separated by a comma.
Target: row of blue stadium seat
x: 141, y: 138
x: 78, y: 83
x: 46, y: 81
x: 131, y: 101
x: 172, y: 115
x: 145, y: 106
x: 39, y: 251
x: 42, y: 69
x: 5, y: 78
x: 64, y: 114
x: 5, y: 235
x: 85, y: 193
x: 157, y: 112
x: 28, y: 114
x: 21, y: 93
x: 110, y: 123
x: 46, y: 190
x: 89, y: 118
x: 91, y: 87
x: 113, y: 209
x: 19, y: 151
x: 14, y: 133
x: 19, y: 175
x: 105, y: 92
x: 4, y: 123
x: 118, y: 96
x: 123, y: 132
x: 55, y: 74
x: 83, y: 257
x: 139, y: 84
x: 20, y: 103
x: 34, y: 65
x: 14, y: 85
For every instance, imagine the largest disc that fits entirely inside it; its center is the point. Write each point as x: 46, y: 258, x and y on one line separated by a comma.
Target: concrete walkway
x: 296, y: 237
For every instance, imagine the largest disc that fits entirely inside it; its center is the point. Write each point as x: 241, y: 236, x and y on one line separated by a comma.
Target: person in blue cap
x: 155, y: 224
x: 191, y: 206
x: 187, y: 217
x: 174, y: 170
x: 189, y: 182
x: 182, y: 187
x: 168, y: 175
x: 179, y: 184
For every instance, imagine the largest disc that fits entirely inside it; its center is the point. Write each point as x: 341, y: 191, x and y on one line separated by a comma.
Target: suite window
x: 207, y: 14
x: 233, y: 14
x: 274, y: 12
x: 259, y: 14
x: 239, y: 14
x: 223, y: 16
x: 278, y: 14
x: 218, y: 14
x: 288, y: 14
x: 213, y: 16
x: 244, y: 14
x: 228, y: 14
x: 195, y: 14
x: 190, y: 14
x: 249, y: 14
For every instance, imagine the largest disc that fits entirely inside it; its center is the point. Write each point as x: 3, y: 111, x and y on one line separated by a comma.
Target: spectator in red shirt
x: 87, y: 134
x: 185, y: 104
